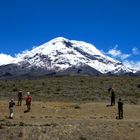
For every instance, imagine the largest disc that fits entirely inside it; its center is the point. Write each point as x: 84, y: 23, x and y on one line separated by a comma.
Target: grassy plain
x: 71, y: 108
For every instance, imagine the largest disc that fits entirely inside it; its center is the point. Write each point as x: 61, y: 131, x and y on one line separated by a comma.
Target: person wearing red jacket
x: 28, y: 101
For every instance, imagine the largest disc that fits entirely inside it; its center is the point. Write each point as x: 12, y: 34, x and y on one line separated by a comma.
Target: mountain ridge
x: 64, y: 56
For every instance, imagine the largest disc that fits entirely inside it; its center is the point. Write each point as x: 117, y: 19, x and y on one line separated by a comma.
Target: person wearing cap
x: 19, y: 98
x: 11, y: 108
x: 28, y: 101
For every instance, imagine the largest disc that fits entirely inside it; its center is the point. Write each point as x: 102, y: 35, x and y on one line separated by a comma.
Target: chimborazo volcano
x: 62, y: 56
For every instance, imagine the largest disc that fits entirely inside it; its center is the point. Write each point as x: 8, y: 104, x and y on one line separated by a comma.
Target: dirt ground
x: 69, y: 121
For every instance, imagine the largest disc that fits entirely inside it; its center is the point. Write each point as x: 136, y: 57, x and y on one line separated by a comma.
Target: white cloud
x: 22, y: 53
x: 132, y: 64
x: 118, y: 53
x: 135, y: 51
x: 114, y: 52
x: 6, y: 59
x: 124, y: 56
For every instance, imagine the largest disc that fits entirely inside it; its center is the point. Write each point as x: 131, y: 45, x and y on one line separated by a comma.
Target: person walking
x: 11, y: 108
x: 120, y: 108
x: 28, y: 101
x: 19, y: 98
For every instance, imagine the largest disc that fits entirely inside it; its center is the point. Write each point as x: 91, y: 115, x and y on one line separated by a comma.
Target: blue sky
x: 111, y: 25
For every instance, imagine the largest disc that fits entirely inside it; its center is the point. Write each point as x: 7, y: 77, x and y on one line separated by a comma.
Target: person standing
x: 28, y: 101
x: 11, y: 108
x: 120, y: 108
x: 20, y: 98
x: 112, y: 95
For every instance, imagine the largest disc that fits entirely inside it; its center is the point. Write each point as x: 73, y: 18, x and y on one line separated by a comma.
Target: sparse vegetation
x: 74, y: 88
x: 71, y: 108
x: 61, y: 120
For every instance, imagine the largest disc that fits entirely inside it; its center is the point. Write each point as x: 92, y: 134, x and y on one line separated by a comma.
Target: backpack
x: 11, y: 104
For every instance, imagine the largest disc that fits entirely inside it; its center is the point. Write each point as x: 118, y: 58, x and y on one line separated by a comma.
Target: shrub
x: 15, y: 89
x: 138, y: 85
x: 77, y: 107
x: 43, y: 83
x: 21, y: 124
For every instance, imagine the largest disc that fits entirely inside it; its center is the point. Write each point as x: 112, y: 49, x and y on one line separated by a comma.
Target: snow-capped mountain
x: 63, y: 56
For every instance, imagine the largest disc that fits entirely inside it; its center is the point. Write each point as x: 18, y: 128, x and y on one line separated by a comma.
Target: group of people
x: 120, y: 103
x: 28, y: 99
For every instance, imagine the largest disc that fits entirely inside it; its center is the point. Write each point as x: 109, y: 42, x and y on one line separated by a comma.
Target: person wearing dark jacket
x: 120, y: 108
x: 112, y: 95
x: 19, y: 98
x: 11, y: 108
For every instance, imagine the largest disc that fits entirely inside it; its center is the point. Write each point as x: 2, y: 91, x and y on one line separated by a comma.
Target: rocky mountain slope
x: 62, y: 56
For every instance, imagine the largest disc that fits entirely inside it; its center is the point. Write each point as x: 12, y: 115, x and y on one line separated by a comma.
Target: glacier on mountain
x: 60, y: 54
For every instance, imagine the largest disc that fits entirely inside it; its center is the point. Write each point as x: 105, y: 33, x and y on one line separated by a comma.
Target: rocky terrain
x: 70, y: 121
x: 71, y: 108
